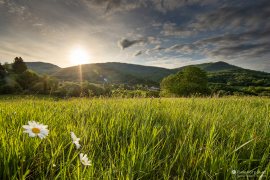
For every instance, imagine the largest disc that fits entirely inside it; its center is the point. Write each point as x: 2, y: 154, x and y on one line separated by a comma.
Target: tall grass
x: 196, y: 138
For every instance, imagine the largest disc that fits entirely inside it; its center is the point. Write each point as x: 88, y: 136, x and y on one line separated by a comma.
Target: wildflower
x: 35, y: 129
x: 53, y: 165
x: 84, y: 160
x: 75, y: 140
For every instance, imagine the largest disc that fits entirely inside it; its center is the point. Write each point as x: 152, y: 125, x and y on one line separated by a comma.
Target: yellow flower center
x: 36, y: 130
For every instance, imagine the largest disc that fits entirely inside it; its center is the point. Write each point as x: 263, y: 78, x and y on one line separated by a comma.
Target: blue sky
x: 165, y: 33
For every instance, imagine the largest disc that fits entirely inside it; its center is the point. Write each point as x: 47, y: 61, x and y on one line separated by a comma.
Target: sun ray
x: 79, y: 56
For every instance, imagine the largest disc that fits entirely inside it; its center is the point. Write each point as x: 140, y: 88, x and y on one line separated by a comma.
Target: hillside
x: 43, y: 68
x: 114, y: 73
x: 221, y: 75
x: 229, y: 79
x: 213, y: 67
x: 131, y: 73
x: 223, y: 78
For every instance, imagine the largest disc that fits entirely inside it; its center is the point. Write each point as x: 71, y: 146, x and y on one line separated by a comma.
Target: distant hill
x: 115, y: 73
x: 220, y: 74
x: 224, y: 76
x: 43, y: 68
x: 213, y: 67
x: 240, y: 77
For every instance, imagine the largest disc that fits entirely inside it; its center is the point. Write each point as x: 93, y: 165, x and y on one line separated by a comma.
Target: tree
x: 2, y: 71
x: 1, y: 67
x: 18, y: 65
x: 190, y: 81
x: 7, y: 67
x: 170, y: 85
x: 45, y: 85
x: 27, y: 79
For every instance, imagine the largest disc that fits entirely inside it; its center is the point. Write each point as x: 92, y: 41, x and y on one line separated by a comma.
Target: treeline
x: 240, y: 82
x: 192, y: 81
x: 16, y: 78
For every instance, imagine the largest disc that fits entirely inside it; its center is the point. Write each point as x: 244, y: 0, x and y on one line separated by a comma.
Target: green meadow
x: 177, y: 138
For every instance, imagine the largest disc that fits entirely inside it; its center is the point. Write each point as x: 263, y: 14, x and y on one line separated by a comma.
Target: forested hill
x: 130, y: 73
x: 219, y: 73
x: 42, y: 67
x: 115, y: 73
x: 122, y: 69
x: 213, y: 67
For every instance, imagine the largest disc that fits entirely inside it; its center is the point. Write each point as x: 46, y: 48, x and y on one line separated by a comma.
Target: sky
x: 164, y: 33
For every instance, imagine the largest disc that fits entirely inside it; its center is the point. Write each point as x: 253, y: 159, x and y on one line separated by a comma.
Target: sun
x: 79, y: 55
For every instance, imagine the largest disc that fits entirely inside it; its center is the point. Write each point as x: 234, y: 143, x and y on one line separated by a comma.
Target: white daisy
x: 35, y: 129
x: 75, y: 140
x: 84, y: 160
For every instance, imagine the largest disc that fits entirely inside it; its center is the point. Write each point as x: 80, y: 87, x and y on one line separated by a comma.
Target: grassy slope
x: 136, y: 138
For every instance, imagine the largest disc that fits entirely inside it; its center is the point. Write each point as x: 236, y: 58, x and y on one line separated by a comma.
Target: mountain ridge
x: 214, y: 66
x: 42, y: 67
x: 117, y: 72
x: 209, y: 67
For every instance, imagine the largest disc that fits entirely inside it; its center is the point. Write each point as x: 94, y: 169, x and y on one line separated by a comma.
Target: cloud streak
x: 171, y: 29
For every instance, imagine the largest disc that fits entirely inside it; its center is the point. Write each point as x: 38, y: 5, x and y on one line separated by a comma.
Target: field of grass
x: 195, y: 138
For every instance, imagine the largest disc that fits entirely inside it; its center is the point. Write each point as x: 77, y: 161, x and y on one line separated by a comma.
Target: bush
x: 10, y: 89
x: 27, y: 79
x: 152, y: 94
x: 69, y: 89
x: 189, y: 82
